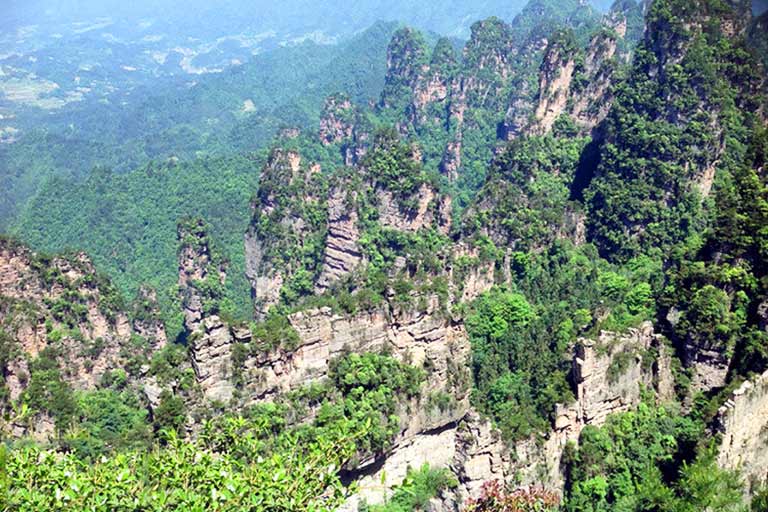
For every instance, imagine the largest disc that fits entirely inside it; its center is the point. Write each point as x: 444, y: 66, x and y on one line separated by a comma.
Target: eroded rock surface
x: 342, y: 252
x: 607, y: 381
x: 64, y: 299
x: 743, y: 424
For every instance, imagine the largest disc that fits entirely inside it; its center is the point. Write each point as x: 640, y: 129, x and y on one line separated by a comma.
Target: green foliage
x: 275, y: 331
x: 646, y: 460
x: 715, y: 287
x: 414, y: 493
x: 107, y: 420
x: 372, y: 389
x: 287, y: 85
x: 406, y: 54
x: 558, y: 295
x: 645, y: 194
x: 661, y: 251
x: 528, y: 191
x: 47, y: 392
x: 370, y: 371
x: 497, y: 325
x: 179, y: 171
x: 392, y: 164
x: 295, y: 249
x: 760, y: 501
x: 166, y: 363
x: 184, y: 476
x: 170, y: 414
x: 103, y: 214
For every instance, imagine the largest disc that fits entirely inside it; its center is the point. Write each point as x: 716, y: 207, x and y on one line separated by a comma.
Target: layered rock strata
x: 742, y: 423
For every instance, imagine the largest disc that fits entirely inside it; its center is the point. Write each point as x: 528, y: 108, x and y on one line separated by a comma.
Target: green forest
x: 544, y: 250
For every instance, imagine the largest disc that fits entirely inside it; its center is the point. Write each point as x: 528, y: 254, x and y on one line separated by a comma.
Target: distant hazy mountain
x: 202, y: 19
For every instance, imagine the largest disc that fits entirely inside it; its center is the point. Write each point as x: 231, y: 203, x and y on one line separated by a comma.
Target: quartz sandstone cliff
x: 609, y: 374
x: 61, y: 309
x: 742, y: 423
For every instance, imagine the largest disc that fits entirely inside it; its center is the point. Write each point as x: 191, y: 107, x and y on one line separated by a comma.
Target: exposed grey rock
x: 342, y: 252
x: 211, y: 352
x: 82, y: 360
x: 709, y: 365
x: 336, y: 123
x: 743, y: 423
x: 480, y: 454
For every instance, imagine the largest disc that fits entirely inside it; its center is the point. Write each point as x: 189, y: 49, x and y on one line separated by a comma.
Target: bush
x: 416, y: 490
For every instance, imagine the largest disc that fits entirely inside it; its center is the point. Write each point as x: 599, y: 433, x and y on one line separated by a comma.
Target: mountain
x: 294, y: 17
x: 529, y: 274
x: 168, y: 76
x: 69, y: 212
x: 237, y: 110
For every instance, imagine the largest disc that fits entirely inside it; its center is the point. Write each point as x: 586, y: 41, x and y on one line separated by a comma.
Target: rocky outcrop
x: 742, y: 423
x: 573, y: 80
x: 427, y: 212
x: 708, y: 364
x: 210, y: 348
x: 609, y: 373
x: 427, y: 339
x: 555, y: 79
x: 337, y: 120
x: 58, y: 313
x: 434, y: 86
x: 481, y: 456
x: 406, y: 62
x: 422, y: 339
x: 592, y: 99
x: 288, y: 189
x: 576, y: 82
x: 62, y: 304
x: 436, y: 448
x: 606, y: 382
x: 197, y: 265
x: 488, y: 62
x: 342, y: 253
x: 147, y: 321
x: 451, y: 160
x: 469, y: 274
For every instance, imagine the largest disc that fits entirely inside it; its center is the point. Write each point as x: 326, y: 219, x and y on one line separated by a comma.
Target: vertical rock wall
x: 743, y: 424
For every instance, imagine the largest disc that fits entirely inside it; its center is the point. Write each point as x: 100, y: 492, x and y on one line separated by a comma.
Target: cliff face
x: 60, y: 311
x: 422, y: 339
x: 609, y: 374
x: 311, y: 231
x: 555, y: 79
x: 448, y: 98
x: 337, y: 121
x: 433, y: 88
x: 201, y: 276
x: 233, y: 366
x: 406, y: 61
x: 708, y: 364
x: 199, y: 273
x: 147, y: 319
x: 58, y: 302
x: 743, y: 424
x: 576, y: 81
x: 282, y: 226
x: 342, y: 254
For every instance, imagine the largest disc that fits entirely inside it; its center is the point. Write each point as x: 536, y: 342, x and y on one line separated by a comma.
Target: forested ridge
x: 524, y: 273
